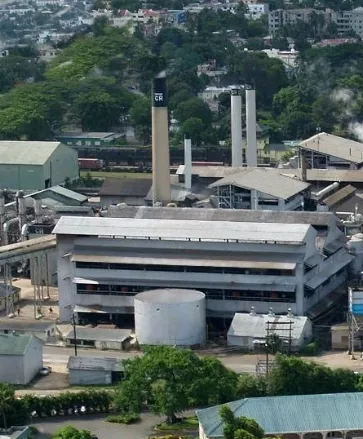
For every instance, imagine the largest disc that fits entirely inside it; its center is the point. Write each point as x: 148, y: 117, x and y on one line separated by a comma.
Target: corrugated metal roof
x: 106, y: 364
x: 340, y: 195
x: 100, y: 334
x: 66, y: 193
x: 335, y: 146
x: 195, y: 261
x: 126, y: 187
x: 247, y: 325
x: 266, y: 181
x: 292, y: 414
x: 14, y: 344
x: 328, y: 269
x: 25, y: 325
x: 234, y: 215
x: 181, y: 230
x: 26, y: 153
x: 329, y: 175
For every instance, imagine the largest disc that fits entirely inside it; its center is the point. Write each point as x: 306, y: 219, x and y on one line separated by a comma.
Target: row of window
x: 185, y: 269
x: 216, y: 294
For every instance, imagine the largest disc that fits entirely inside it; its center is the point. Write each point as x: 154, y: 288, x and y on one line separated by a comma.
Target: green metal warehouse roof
x: 292, y: 414
x: 26, y: 153
x: 14, y: 344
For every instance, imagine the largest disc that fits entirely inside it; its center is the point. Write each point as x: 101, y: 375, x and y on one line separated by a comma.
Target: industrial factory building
x: 104, y: 262
x: 324, y: 151
x: 259, y: 189
x: 36, y: 165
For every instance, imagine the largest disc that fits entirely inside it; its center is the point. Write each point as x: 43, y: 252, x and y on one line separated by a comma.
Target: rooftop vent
x: 253, y: 312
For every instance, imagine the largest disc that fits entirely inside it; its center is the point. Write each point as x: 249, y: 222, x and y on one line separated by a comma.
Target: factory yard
x: 98, y: 426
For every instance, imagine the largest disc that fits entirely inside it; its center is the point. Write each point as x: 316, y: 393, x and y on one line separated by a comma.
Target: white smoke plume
x: 356, y: 129
x: 342, y: 95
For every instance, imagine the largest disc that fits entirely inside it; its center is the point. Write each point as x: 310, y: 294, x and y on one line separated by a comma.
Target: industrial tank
x: 355, y: 246
x: 170, y: 317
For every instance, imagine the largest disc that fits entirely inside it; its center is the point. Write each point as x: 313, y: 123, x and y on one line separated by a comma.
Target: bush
x: 127, y: 418
x: 310, y: 349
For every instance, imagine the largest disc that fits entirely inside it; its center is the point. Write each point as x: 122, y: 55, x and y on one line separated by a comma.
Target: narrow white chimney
x: 38, y: 210
x: 251, y: 150
x: 236, y: 126
x: 160, y: 141
x: 2, y: 216
x: 21, y: 209
x: 187, y: 162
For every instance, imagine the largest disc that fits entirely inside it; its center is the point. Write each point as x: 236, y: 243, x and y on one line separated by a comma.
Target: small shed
x: 131, y: 191
x: 100, y: 338
x: 39, y: 328
x: 21, y: 358
x: 250, y: 330
x: 94, y: 370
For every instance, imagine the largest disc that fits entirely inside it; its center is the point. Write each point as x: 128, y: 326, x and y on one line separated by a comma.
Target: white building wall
x: 62, y: 164
x: 33, y: 359
x: 12, y: 369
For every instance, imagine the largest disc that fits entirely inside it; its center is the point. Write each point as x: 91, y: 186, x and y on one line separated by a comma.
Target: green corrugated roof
x: 14, y: 152
x: 14, y: 344
x: 292, y: 414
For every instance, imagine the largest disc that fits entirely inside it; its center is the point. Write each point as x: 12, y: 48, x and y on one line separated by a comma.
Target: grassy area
x: 186, y: 424
x: 103, y: 174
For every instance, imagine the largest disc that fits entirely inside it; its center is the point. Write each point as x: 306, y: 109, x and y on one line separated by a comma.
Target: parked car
x: 44, y: 371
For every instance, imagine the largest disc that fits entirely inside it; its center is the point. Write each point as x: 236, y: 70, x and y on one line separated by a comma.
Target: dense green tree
x: 172, y: 380
x: 70, y: 432
x: 194, y: 127
x: 140, y: 115
x: 194, y: 108
x: 239, y: 428
x: 7, y: 398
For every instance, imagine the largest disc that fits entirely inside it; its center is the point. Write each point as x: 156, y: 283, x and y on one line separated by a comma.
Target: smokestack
x: 160, y: 141
x: 21, y: 209
x: 2, y: 216
x: 251, y: 152
x: 187, y: 162
x: 236, y: 126
x: 303, y: 165
x: 38, y: 210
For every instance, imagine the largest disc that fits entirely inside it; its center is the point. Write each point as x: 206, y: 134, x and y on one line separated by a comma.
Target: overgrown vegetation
x: 126, y: 418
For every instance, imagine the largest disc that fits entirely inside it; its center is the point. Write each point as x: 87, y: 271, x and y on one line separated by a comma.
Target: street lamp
x: 74, y: 334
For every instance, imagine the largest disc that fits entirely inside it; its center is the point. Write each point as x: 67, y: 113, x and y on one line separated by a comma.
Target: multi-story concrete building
x: 349, y: 21
x: 256, y: 10
x: 281, y: 17
x: 104, y: 262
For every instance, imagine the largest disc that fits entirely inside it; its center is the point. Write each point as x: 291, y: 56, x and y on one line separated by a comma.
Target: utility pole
x: 74, y: 334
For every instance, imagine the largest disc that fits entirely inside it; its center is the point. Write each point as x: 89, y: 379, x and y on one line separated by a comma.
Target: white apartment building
x: 348, y: 21
x: 281, y: 17
x: 104, y: 262
x: 256, y: 10
x: 287, y: 57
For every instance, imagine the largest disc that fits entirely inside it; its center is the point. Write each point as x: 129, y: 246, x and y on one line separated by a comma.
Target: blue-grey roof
x: 67, y: 193
x: 292, y: 414
x: 14, y: 344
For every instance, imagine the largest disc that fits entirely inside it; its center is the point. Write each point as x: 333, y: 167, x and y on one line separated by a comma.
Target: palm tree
x: 7, y: 397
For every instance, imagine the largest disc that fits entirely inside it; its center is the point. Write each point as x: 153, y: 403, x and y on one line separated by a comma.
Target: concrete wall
x: 12, y: 369
x: 26, y: 177
x: 89, y: 377
x: 33, y: 359
x: 107, y: 200
x: 61, y: 164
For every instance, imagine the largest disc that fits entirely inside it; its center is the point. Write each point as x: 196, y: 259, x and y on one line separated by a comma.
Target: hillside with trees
x: 102, y: 80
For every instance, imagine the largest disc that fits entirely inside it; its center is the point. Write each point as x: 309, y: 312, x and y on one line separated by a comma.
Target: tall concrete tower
x: 160, y: 141
x: 187, y: 162
x: 251, y: 150
x: 236, y: 126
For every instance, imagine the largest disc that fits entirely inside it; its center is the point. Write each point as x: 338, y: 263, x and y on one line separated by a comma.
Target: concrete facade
x: 20, y: 367
x: 103, y: 274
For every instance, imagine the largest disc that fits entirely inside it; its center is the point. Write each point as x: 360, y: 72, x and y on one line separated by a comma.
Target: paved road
x: 101, y: 429
x: 60, y: 355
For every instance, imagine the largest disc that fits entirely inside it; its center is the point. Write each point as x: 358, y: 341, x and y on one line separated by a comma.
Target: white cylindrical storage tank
x: 355, y: 246
x: 170, y: 317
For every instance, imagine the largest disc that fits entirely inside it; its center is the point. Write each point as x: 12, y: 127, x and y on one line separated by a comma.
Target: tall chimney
x: 160, y: 141
x: 303, y: 165
x: 21, y: 209
x: 187, y: 162
x: 236, y: 126
x: 251, y: 151
x: 2, y: 216
x: 38, y: 210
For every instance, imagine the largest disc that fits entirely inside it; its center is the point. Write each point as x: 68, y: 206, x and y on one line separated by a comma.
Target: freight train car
x: 90, y: 164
